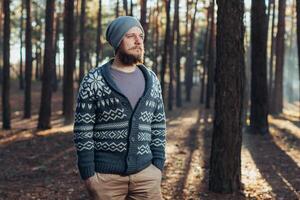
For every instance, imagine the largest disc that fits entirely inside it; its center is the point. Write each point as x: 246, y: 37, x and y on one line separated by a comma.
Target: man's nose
x: 138, y: 40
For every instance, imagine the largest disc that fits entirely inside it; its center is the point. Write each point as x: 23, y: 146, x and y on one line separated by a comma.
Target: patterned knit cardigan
x: 112, y: 137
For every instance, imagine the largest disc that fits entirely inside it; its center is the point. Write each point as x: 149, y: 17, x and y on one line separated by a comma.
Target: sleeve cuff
x: 86, y: 171
x: 159, y: 163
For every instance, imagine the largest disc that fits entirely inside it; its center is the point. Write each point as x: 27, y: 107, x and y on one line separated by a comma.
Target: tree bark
x: 69, y: 62
x: 190, y: 57
x: 259, y: 91
x: 178, y: 55
x: 273, y: 42
x: 82, y: 41
x: 99, y: 34
x: 6, y: 66
x: 171, y: 65
x: 298, y: 33
x: 211, y: 57
x: 28, y: 63
x: 165, y: 53
x: 21, y: 73
x: 144, y: 20
x: 117, y: 8
x: 278, y: 89
x: 225, y: 161
x: 125, y: 7
x: 45, y: 106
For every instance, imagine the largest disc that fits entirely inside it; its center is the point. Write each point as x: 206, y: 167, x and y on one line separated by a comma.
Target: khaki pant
x: 144, y: 185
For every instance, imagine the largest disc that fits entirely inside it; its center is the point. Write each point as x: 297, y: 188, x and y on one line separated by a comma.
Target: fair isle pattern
x: 110, y: 146
x: 146, y: 116
x: 101, y: 128
x: 158, y: 132
x: 158, y: 142
x: 85, y: 118
x: 145, y: 127
x: 144, y: 136
x: 107, y: 102
x: 84, y: 128
x: 112, y: 115
x: 119, y: 134
x: 151, y: 104
x: 144, y: 149
x: 161, y: 125
x: 85, y: 105
x: 158, y: 118
x: 83, y: 135
x: 89, y: 145
x: 117, y: 125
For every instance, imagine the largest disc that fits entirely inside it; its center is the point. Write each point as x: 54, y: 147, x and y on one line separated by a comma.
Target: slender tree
x: 21, y: 77
x: 225, y: 161
x: 190, y: 57
x: 259, y: 97
x: 45, y: 106
x: 99, y: 34
x: 82, y: 41
x: 117, y: 8
x: 178, y: 54
x: 1, y: 41
x: 298, y: 32
x: 28, y: 63
x: 69, y: 62
x: 271, y: 58
x: 125, y: 7
x: 165, y: 52
x: 56, y: 49
x: 278, y: 89
x: 143, y: 19
x: 211, y: 56
x: 131, y: 8
x: 171, y: 65
x: 6, y: 66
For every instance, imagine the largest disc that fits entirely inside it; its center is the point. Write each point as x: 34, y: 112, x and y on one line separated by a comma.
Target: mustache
x: 136, y: 47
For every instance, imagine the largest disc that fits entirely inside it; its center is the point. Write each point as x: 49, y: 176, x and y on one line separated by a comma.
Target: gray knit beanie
x: 118, y: 27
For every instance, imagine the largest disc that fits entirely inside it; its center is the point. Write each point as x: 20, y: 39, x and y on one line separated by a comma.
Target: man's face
x: 131, y: 49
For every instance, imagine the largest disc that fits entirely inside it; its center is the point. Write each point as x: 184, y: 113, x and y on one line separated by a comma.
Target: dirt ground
x: 42, y: 164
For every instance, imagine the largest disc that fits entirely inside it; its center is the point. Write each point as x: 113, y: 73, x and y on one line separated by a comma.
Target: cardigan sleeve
x: 158, y: 131
x: 83, y: 128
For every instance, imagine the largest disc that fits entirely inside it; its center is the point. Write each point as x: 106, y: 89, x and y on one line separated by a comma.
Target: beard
x: 130, y: 59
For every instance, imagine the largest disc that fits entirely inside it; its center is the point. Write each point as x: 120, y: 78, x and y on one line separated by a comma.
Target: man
x: 120, y: 125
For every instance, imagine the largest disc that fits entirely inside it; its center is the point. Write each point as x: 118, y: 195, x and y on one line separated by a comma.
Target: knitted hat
x: 118, y: 27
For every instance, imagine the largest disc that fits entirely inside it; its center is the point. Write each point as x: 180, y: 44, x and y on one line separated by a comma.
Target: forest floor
x: 37, y: 164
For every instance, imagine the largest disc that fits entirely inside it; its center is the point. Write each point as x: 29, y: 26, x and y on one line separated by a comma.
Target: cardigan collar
x: 107, y: 76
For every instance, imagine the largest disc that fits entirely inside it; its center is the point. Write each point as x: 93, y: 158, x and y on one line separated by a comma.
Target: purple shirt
x: 131, y: 84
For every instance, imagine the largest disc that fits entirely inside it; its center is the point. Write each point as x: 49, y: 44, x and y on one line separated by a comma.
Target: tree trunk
x: 171, y: 62
x: 131, y: 8
x: 190, y: 57
x: 21, y: 74
x: 45, y: 106
x: 99, y: 34
x: 298, y: 33
x: 156, y: 38
x: 55, y: 51
x: 178, y: 55
x: 211, y: 57
x: 165, y: 53
x: 273, y: 41
x: 205, y: 59
x: 144, y: 20
x: 225, y: 161
x: 278, y: 89
x: 69, y: 62
x: 117, y: 8
x: 125, y: 7
x: 82, y: 41
x: 28, y: 64
x: 1, y: 42
x: 6, y: 67
x: 259, y: 97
